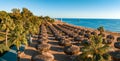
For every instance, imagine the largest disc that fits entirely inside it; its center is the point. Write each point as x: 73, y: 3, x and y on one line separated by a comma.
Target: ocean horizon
x: 112, y: 25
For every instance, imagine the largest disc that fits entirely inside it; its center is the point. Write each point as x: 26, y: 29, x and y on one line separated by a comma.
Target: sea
x: 112, y: 25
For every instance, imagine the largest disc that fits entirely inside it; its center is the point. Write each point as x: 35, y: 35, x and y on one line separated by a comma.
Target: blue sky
x: 67, y: 8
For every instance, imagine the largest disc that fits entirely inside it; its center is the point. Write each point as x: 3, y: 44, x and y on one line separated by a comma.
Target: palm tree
x: 96, y: 51
x: 23, y: 26
x: 101, y: 29
x: 6, y: 25
x: 19, y: 36
x: 31, y: 23
x: 48, y: 19
x: 32, y: 26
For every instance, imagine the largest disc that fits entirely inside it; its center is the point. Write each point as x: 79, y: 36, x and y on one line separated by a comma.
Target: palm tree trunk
x: 30, y: 38
x: 6, y: 38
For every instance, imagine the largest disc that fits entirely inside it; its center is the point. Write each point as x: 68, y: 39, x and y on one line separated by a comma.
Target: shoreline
x: 106, y: 31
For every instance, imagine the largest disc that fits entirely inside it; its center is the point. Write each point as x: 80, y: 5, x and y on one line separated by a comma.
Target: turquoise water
x: 109, y: 24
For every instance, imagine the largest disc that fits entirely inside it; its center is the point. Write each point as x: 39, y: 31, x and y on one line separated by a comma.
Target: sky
x: 66, y: 8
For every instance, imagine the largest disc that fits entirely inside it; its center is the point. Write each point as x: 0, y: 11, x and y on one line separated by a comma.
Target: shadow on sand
x: 62, y: 57
x: 30, y: 52
x: 25, y: 59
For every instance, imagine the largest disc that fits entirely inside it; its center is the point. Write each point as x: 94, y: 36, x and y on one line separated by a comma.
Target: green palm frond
x: 96, y: 51
x: 2, y: 37
x: 101, y: 29
x: 3, y: 48
x: 17, y: 43
x: 103, y: 49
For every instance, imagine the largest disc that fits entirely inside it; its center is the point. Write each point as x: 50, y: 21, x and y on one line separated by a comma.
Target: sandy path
x: 56, y: 50
x: 29, y: 51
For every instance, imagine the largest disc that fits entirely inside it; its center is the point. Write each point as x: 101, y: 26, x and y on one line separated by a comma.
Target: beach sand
x: 57, y: 50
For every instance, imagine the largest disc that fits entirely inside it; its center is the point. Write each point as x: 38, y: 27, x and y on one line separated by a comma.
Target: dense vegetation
x: 18, y: 26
